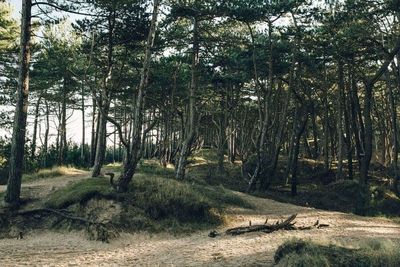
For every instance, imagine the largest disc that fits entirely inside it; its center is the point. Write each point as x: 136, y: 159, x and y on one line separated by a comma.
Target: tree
x: 21, y: 111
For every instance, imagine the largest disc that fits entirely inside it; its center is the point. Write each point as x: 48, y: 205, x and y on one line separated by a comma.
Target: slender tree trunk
x: 393, y: 117
x: 101, y: 144
x: 21, y: 111
x: 63, y: 128
x: 348, y: 140
x: 134, y: 152
x: 363, y: 194
x: 104, y: 101
x: 315, y: 134
x: 46, y: 136
x: 261, y: 146
x: 35, y: 127
x: 83, y: 159
x: 326, y: 126
x: 222, y: 133
x: 339, y: 173
x: 357, y: 124
x: 301, y: 123
x: 190, y: 127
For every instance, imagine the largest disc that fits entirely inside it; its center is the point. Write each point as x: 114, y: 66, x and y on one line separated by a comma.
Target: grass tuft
x: 155, y: 202
x: 307, y: 253
x: 51, y: 173
x: 79, y: 192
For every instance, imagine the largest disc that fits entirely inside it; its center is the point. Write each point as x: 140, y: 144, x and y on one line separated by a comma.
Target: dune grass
x: 79, y: 192
x: 50, y: 173
x: 368, y: 254
x: 154, y: 201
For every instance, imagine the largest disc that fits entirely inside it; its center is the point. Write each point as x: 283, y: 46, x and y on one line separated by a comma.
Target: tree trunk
x: 222, y: 133
x: 393, y: 117
x: 190, y: 127
x: 46, y: 136
x: 301, y: 122
x: 134, y: 152
x: 35, y: 127
x: 95, y: 130
x: 21, y: 110
x: 104, y: 101
x: 363, y: 192
x: 63, y: 128
x: 339, y: 120
x: 83, y: 159
x: 101, y: 144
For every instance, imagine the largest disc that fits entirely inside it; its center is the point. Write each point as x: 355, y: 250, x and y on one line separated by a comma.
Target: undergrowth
x: 154, y: 202
x: 50, y: 173
x: 299, y: 253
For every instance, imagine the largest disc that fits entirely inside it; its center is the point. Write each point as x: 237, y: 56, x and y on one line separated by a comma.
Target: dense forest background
x: 263, y: 83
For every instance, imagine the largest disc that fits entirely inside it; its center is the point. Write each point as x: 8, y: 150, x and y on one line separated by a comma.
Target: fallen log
x: 287, y: 224
x: 266, y: 228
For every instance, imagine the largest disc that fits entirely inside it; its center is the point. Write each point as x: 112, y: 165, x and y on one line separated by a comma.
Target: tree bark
x: 35, y: 128
x: 339, y: 120
x: 301, y: 122
x: 393, y: 118
x: 19, y: 129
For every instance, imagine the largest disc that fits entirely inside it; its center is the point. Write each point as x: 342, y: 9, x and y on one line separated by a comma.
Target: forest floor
x: 49, y: 248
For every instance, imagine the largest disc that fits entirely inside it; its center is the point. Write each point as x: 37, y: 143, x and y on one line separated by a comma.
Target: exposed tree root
x: 97, y: 230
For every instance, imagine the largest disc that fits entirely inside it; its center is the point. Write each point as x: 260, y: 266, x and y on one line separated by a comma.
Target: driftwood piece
x: 266, y: 228
x: 287, y: 224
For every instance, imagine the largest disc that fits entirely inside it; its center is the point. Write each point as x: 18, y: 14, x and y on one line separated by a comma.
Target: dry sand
x: 143, y: 249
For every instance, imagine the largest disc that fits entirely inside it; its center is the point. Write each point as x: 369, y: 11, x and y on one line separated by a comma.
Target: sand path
x: 143, y: 249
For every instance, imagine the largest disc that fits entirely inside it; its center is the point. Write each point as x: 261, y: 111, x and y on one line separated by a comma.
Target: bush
x: 306, y: 253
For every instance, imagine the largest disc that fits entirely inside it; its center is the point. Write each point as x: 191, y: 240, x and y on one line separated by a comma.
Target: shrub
x: 306, y: 253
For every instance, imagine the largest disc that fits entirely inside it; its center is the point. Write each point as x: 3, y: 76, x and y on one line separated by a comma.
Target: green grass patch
x: 153, y: 167
x: 50, y: 173
x: 154, y: 202
x: 113, y: 167
x: 80, y: 192
x: 306, y: 253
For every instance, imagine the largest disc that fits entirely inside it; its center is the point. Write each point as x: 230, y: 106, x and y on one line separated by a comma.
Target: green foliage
x: 305, y: 253
x: 8, y: 28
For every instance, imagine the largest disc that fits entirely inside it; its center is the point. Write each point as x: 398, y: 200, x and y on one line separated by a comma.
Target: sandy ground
x: 143, y: 249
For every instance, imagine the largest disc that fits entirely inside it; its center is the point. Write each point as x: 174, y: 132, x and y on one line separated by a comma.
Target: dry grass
x: 50, y: 173
x: 310, y: 253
